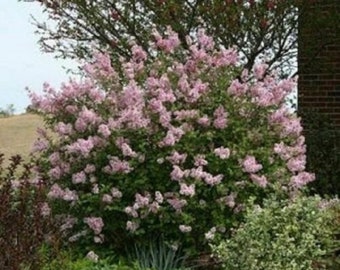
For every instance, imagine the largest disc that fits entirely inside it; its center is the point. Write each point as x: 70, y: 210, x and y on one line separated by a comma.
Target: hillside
x: 17, y: 133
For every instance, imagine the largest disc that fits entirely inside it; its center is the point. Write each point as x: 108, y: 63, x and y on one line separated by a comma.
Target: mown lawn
x: 17, y: 134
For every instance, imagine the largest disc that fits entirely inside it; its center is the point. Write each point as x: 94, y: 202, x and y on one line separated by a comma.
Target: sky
x: 22, y: 64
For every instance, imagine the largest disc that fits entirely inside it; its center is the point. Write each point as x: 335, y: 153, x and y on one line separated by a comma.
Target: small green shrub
x: 290, y: 235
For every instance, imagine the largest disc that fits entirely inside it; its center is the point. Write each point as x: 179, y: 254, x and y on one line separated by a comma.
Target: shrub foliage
x: 173, y: 144
x: 292, y: 235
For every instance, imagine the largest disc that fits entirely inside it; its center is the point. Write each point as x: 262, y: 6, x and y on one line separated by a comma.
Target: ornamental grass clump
x: 174, y: 143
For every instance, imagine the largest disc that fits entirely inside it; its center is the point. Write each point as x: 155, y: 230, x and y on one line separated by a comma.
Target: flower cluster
x: 171, y: 144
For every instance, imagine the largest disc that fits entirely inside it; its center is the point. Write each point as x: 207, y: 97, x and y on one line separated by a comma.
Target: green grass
x: 17, y: 134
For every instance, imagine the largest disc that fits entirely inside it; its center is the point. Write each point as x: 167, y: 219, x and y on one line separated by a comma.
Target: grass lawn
x: 17, y: 133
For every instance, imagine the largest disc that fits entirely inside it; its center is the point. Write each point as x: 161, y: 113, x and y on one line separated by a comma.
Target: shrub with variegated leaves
x: 172, y: 145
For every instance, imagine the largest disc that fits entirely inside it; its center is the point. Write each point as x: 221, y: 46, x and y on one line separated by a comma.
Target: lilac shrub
x: 173, y: 144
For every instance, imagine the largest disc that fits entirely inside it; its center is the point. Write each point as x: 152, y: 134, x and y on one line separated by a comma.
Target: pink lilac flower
x: 282, y: 150
x: 185, y: 228
x: 131, y: 226
x: 80, y: 125
x: 118, y: 166
x: 101, y: 66
x: 260, y: 70
x: 138, y: 54
x: 152, y: 83
x: 176, y: 158
x: 95, y: 223
x: 131, y: 211
x: 195, y: 92
x: 204, y: 121
x: 292, y: 127
x: 54, y: 158
x: 116, y: 193
x: 168, y: 44
x: 141, y: 201
x: 265, y: 98
x: 127, y: 151
x: 185, y: 114
x: 301, y: 179
x: 288, y: 85
x: 177, y: 204
x: 104, y: 130
x: 250, y: 165
x: 173, y: 135
x: 156, y: 106
x: 213, y: 180
x: 81, y: 146
x: 98, y: 239
x: 279, y: 116
x: 225, y: 57
x: 198, y: 173
x: 39, y: 145
x: 95, y: 189
x: 65, y: 167
x: 98, y: 141
x: 230, y: 200
x: 220, y: 121
x: 222, y: 152
x: 165, y: 119
x: 154, y: 207
x: 63, y: 129
x: 79, y: 178
x: 55, y: 192
x: 129, y: 70
x: 132, y: 95
x: 107, y: 198
x: 297, y: 164
x: 97, y: 95
x: 133, y: 117
x: 183, y: 83
x: 159, y: 197
x: 199, y: 160
x: 278, y: 95
x: 92, y: 256
x: 190, y: 66
x: 187, y: 190
x: 237, y: 89
x: 259, y: 180
x: 90, y: 168
x: 205, y: 41
x: 55, y: 173
x: 178, y: 174
x: 70, y: 195
x: 210, y: 235
x: 165, y: 94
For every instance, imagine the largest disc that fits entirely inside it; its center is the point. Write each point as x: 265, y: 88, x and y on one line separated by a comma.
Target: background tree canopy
x: 262, y: 29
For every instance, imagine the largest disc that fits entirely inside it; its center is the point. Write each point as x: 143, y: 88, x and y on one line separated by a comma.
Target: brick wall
x: 319, y: 59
